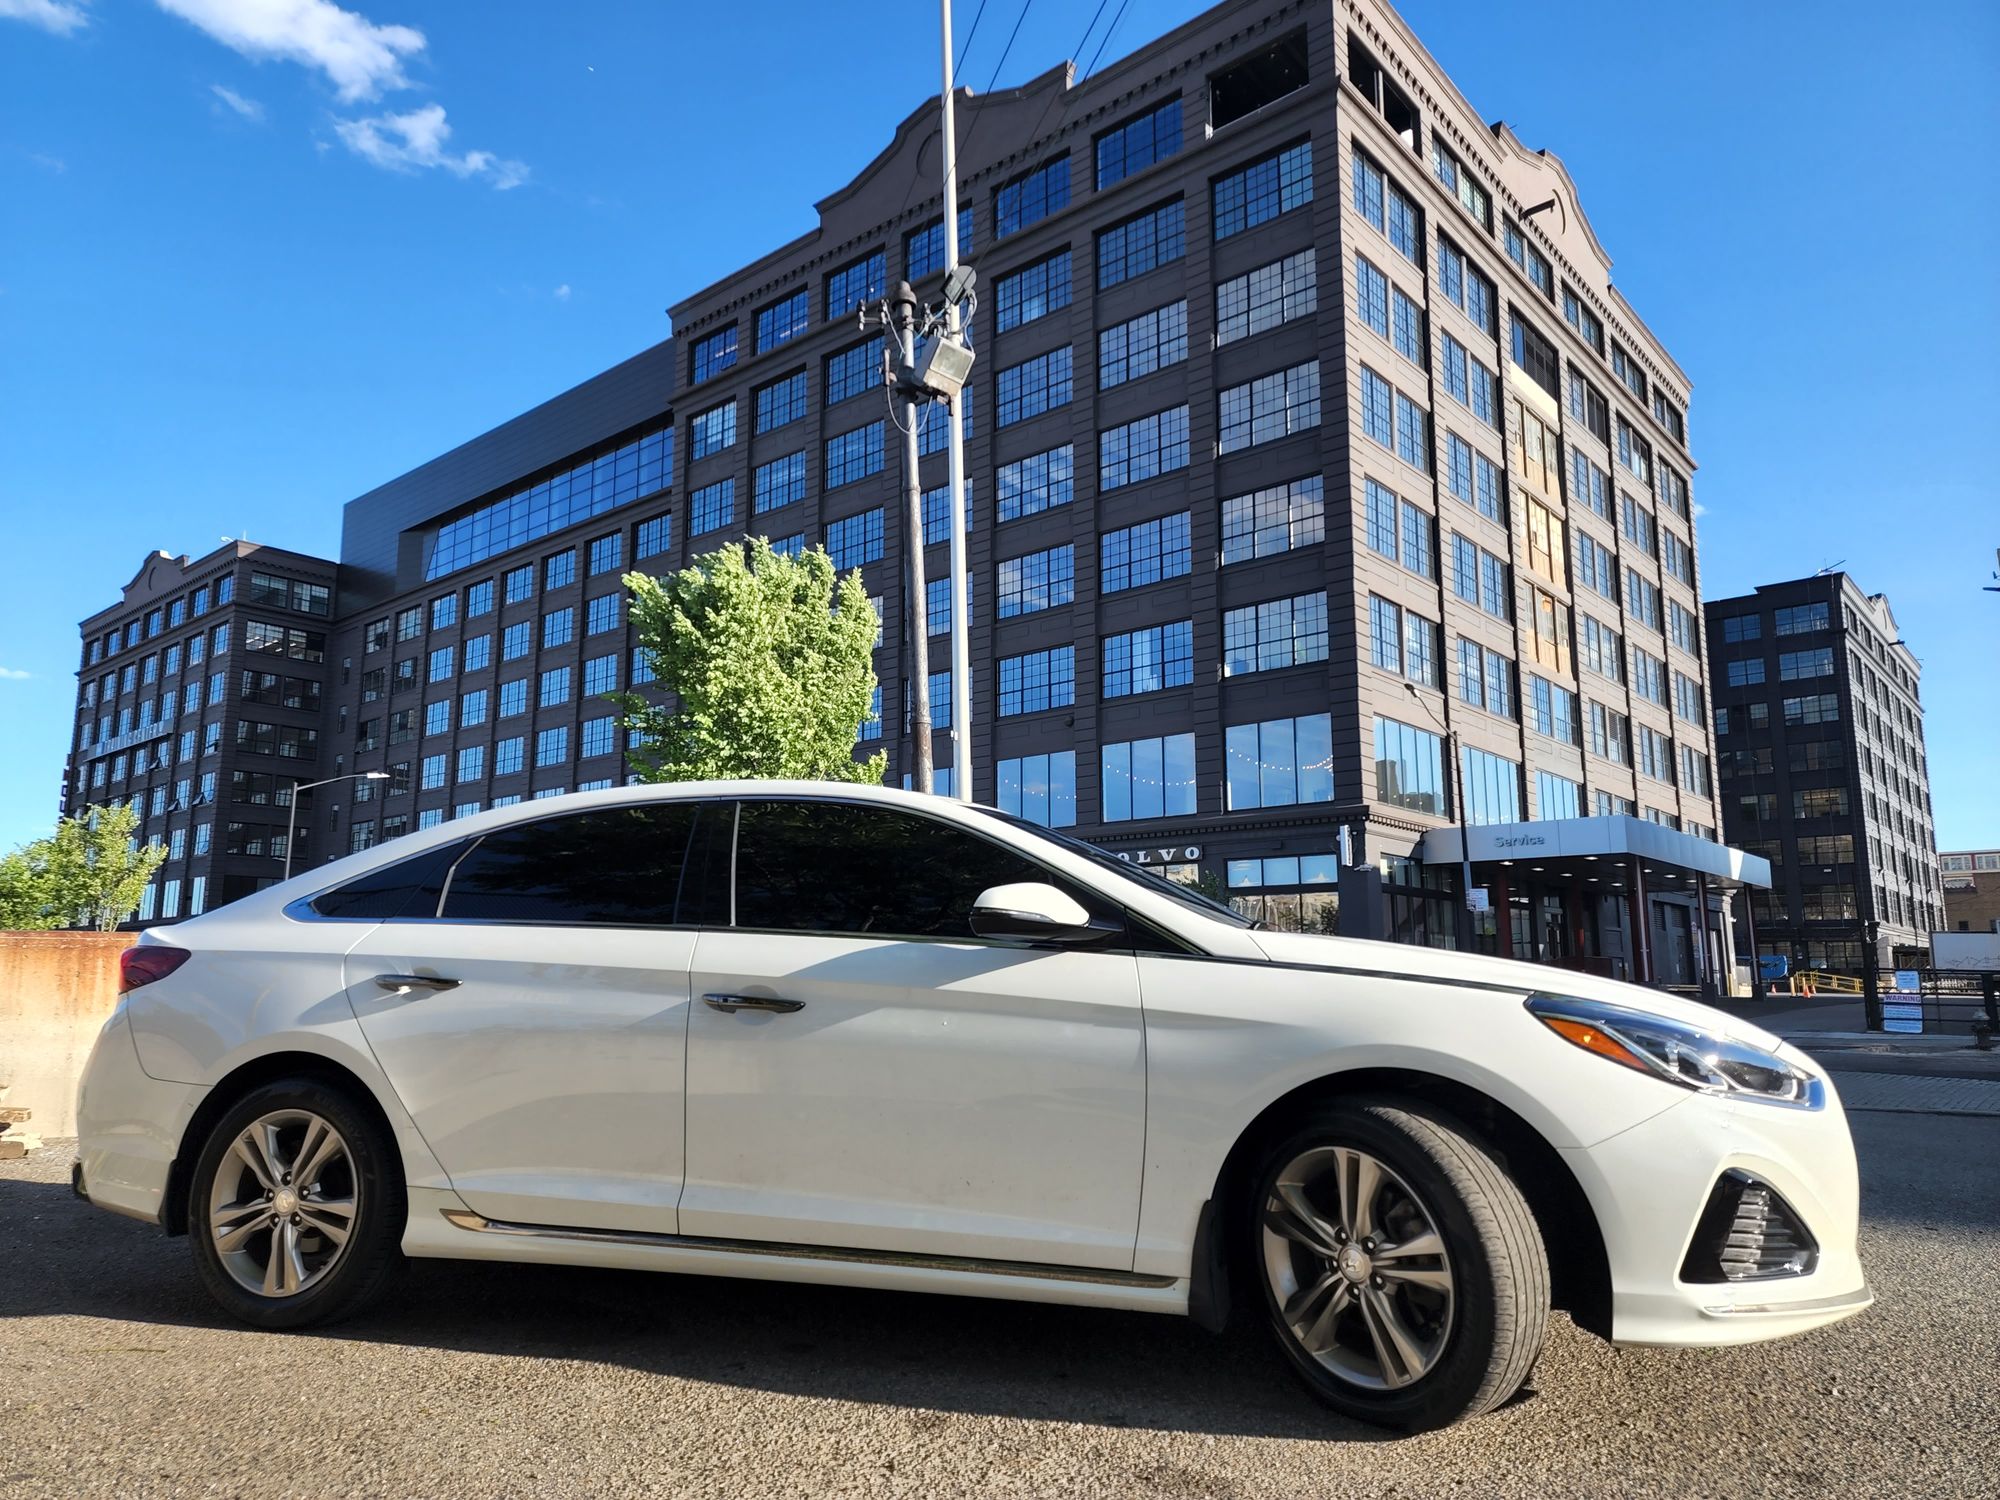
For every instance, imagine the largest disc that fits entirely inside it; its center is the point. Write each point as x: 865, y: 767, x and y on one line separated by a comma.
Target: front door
x: 536, y: 1029
x: 870, y: 1075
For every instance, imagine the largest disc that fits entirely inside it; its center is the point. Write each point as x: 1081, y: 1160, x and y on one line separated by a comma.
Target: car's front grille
x: 1748, y: 1233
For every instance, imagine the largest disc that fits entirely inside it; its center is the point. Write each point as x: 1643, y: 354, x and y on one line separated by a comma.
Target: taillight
x: 143, y: 963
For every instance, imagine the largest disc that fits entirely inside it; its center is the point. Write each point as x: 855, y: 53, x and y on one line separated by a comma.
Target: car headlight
x: 1677, y: 1052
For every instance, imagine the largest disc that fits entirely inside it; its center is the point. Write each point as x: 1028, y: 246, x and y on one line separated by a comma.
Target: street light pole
x: 1464, y: 924
x: 292, y: 812
x: 961, y: 645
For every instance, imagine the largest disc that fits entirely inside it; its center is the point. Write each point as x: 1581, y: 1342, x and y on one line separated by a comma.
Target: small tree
x: 90, y: 872
x: 770, y: 659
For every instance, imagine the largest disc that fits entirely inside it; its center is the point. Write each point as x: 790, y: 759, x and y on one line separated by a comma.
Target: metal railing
x: 1951, y: 1002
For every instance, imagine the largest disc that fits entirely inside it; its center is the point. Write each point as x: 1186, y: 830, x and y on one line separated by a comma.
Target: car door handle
x: 414, y: 982
x: 735, y: 1003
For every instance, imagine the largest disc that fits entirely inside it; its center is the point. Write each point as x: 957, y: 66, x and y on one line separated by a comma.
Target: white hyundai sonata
x: 839, y: 1034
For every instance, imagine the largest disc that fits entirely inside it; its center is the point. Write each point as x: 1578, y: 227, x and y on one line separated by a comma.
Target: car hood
x: 1501, y: 973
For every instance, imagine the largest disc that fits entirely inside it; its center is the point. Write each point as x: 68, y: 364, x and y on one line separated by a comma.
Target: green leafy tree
x: 771, y: 662
x: 90, y: 872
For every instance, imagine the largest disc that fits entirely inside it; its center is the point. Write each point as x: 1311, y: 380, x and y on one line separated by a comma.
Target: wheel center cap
x: 1355, y: 1264
x: 284, y: 1202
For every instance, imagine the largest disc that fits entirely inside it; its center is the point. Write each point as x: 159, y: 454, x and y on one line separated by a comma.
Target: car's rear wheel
x: 1403, y: 1274
x: 297, y: 1206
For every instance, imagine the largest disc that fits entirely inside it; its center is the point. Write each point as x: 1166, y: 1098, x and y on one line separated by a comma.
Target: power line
x: 1105, y: 40
x: 959, y: 66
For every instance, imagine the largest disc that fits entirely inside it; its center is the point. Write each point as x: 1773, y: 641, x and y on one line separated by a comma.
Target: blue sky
x: 250, y: 268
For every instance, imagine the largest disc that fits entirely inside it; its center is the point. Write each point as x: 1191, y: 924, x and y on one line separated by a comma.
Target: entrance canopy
x: 1598, y: 850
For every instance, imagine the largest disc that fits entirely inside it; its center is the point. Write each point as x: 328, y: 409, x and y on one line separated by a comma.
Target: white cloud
x: 60, y: 16
x: 360, y: 58
x: 13, y: 674
x: 250, y: 109
x: 415, y: 142
x: 562, y: 292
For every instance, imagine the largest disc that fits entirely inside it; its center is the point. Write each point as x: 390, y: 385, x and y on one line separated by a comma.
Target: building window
x: 1402, y: 641
x: 1149, y: 778
x: 784, y: 401
x: 711, y: 507
x: 558, y: 627
x: 1040, y: 788
x: 1032, y: 292
x: 1149, y: 660
x: 1534, y: 265
x: 1138, y: 143
x: 1557, y: 796
x: 1626, y: 368
x: 559, y: 571
x: 1268, y: 408
x: 713, y: 430
x: 599, y: 737
x: 1595, y: 567
x: 1482, y: 578
x: 855, y: 540
x: 1485, y: 679
x: 1536, y: 356
x: 1267, y: 297
x: 1038, y: 581
x: 1746, y: 673
x: 1279, y: 762
x: 1586, y: 323
x: 1143, y: 449
x: 1266, y: 188
x: 509, y: 755
x: 471, y: 712
x: 715, y: 353
x: 853, y: 371
x: 1492, y: 787
x: 937, y: 513
x: 934, y: 424
x: 1400, y: 531
x: 1147, y: 553
x: 1031, y: 197
x: 1642, y: 599
x: 601, y: 614
x: 923, y: 249
x: 1142, y: 243
x: 855, y: 455
x: 937, y: 605
x: 641, y: 467
x: 520, y: 583
x: 1796, y: 665
x: 1458, y: 181
x: 1743, y: 627
x: 1037, y: 681
x: 1269, y: 521
x: 858, y: 282
x: 1610, y: 734
x: 783, y: 321
x: 1554, y: 709
x: 552, y: 746
x: 1467, y: 287
x: 1634, y: 452
x: 440, y: 664
x: 1371, y: 295
x: 1142, y: 346
x: 1470, y: 383
x: 431, y: 773
x: 1035, y: 386
x: 1799, y: 619
x: 779, y: 482
x: 472, y: 763
x: 1034, y: 484
x: 479, y: 600
x: 554, y: 688
x: 1602, y: 649
x: 656, y: 536
x: 1273, y: 635
x: 444, y: 612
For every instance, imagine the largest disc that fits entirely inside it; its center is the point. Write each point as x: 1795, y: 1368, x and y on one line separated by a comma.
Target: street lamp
x: 292, y: 813
x: 1464, y: 923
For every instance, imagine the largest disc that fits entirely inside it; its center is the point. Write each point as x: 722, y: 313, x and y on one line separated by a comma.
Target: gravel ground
x: 117, y: 1378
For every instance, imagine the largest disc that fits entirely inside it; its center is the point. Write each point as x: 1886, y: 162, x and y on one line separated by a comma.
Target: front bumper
x: 1650, y: 1184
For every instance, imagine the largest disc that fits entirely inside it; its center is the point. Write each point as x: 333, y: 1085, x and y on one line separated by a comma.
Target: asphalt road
x: 117, y: 1378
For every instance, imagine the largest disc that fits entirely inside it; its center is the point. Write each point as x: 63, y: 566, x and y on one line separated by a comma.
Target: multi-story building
x: 1971, y: 890
x: 202, y: 700
x: 1819, y: 721
x: 1318, y: 473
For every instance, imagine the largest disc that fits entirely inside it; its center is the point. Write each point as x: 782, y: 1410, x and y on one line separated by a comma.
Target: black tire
x: 356, y: 1273
x: 1484, y: 1341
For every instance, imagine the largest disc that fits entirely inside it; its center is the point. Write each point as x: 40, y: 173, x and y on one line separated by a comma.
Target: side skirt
x: 460, y: 1234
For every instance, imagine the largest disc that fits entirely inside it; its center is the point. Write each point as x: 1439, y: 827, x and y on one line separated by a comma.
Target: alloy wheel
x: 1357, y: 1268
x: 282, y: 1206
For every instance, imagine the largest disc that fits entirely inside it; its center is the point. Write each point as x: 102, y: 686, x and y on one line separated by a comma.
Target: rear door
x: 536, y: 1028
x: 871, y: 1075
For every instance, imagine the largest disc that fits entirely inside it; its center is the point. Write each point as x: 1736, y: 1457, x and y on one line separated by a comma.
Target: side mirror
x: 1036, y: 913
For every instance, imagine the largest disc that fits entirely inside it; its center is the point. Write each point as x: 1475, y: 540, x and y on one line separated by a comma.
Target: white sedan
x: 839, y: 1034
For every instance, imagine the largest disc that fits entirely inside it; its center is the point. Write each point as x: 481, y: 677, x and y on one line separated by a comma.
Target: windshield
x: 1187, y: 896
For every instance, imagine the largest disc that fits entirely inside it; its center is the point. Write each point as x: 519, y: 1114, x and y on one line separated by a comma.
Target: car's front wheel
x: 1402, y: 1271
x: 296, y: 1209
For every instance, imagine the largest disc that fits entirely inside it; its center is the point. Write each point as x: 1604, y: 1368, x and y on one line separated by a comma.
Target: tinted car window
x: 408, y: 888
x: 618, y: 866
x: 839, y: 867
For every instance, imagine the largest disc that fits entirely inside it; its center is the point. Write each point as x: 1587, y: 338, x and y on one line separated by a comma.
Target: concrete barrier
x: 56, y: 988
